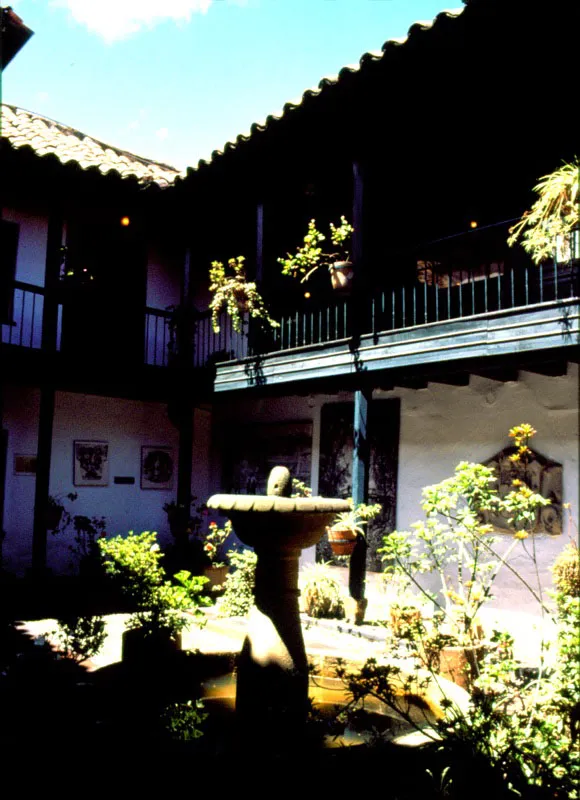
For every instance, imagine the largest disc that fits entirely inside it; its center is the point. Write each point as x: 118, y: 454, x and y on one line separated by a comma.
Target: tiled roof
x: 47, y: 137
x: 331, y: 80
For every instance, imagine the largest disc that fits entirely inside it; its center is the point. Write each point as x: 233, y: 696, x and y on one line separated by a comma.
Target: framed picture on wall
x: 157, y: 467
x: 24, y: 465
x: 91, y: 463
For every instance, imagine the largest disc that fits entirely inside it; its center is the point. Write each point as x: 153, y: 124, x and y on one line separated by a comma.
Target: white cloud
x: 162, y: 133
x: 118, y: 19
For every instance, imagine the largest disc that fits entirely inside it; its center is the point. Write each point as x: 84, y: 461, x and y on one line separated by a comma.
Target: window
x: 8, y: 250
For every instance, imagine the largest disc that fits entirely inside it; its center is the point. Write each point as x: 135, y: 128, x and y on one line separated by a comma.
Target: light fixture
x: 473, y: 224
x: 307, y: 295
x: 125, y: 222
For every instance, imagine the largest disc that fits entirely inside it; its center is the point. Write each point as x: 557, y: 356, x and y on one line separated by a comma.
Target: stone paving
x: 322, y: 637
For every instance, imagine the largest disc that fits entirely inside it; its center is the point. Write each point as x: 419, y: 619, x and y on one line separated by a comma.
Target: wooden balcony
x: 434, y: 323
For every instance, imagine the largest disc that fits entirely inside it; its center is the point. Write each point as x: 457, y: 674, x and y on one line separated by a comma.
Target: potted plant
x: 348, y: 526
x: 309, y: 257
x: 212, y: 547
x: 234, y: 294
x: 545, y: 230
x: 56, y: 516
x: 455, y: 545
x: 155, y: 628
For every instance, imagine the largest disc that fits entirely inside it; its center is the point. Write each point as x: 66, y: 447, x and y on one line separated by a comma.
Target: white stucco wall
x: 443, y: 425
x: 31, y: 257
x: 126, y: 425
x: 26, y: 327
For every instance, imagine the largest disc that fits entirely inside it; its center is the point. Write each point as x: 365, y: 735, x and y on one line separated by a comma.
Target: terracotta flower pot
x: 342, y: 540
x: 217, y: 577
x: 460, y: 664
x: 341, y: 273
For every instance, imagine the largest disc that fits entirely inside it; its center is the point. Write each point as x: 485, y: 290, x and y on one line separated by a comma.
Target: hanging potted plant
x: 545, y: 231
x: 234, y: 294
x: 348, y: 526
x: 309, y: 257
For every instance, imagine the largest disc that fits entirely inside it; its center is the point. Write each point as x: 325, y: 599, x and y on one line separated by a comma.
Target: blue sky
x: 175, y: 79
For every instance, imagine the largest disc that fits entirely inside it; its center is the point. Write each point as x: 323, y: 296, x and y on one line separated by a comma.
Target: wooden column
x: 357, y: 218
x: 44, y: 453
x: 362, y: 397
x: 357, y: 254
x: 54, y: 257
x: 259, y: 243
x: 186, y: 327
x: 360, y: 485
x: 47, y: 391
x: 3, y: 456
x: 183, y: 402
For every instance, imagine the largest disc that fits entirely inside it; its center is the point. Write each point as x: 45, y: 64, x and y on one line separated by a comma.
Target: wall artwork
x: 24, y: 465
x: 157, y: 467
x: 91, y: 463
x: 541, y: 475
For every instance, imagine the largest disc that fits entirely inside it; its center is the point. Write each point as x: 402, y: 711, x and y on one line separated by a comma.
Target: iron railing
x: 23, y: 325
x: 208, y: 348
x: 434, y: 296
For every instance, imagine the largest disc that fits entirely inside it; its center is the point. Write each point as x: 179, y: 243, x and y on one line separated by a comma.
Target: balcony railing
x: 24, y: 319
x: 208, y: 346
x: 433, y: 296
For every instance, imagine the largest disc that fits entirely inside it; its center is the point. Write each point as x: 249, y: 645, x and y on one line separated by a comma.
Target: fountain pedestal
x: 272, y: 683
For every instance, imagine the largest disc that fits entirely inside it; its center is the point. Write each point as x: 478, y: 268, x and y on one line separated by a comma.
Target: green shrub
x: 238, y: 595
x: 181, y: 721
x: 80, y: 636
x: 321, y: 592
x: 134, y: 561
x: 566, y: 571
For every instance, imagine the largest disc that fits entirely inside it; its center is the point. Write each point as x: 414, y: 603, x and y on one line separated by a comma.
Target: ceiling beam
x: 501, y: 374
x: 552, y: 369
x: 457, y: 379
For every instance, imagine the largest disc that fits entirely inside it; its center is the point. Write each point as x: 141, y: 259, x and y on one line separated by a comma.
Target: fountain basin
x: 272, y: 685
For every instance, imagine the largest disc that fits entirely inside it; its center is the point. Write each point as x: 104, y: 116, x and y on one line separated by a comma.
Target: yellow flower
x: 521, y: 534
x: 516, y: 482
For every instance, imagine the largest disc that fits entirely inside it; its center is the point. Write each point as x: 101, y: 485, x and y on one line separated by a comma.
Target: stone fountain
x: 272, y: 682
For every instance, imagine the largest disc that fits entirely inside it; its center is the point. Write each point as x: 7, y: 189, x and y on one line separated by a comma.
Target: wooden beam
x: 500, y: 374
x: 459, y: 379
x: 410, y: 383
x: 552, y: 369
